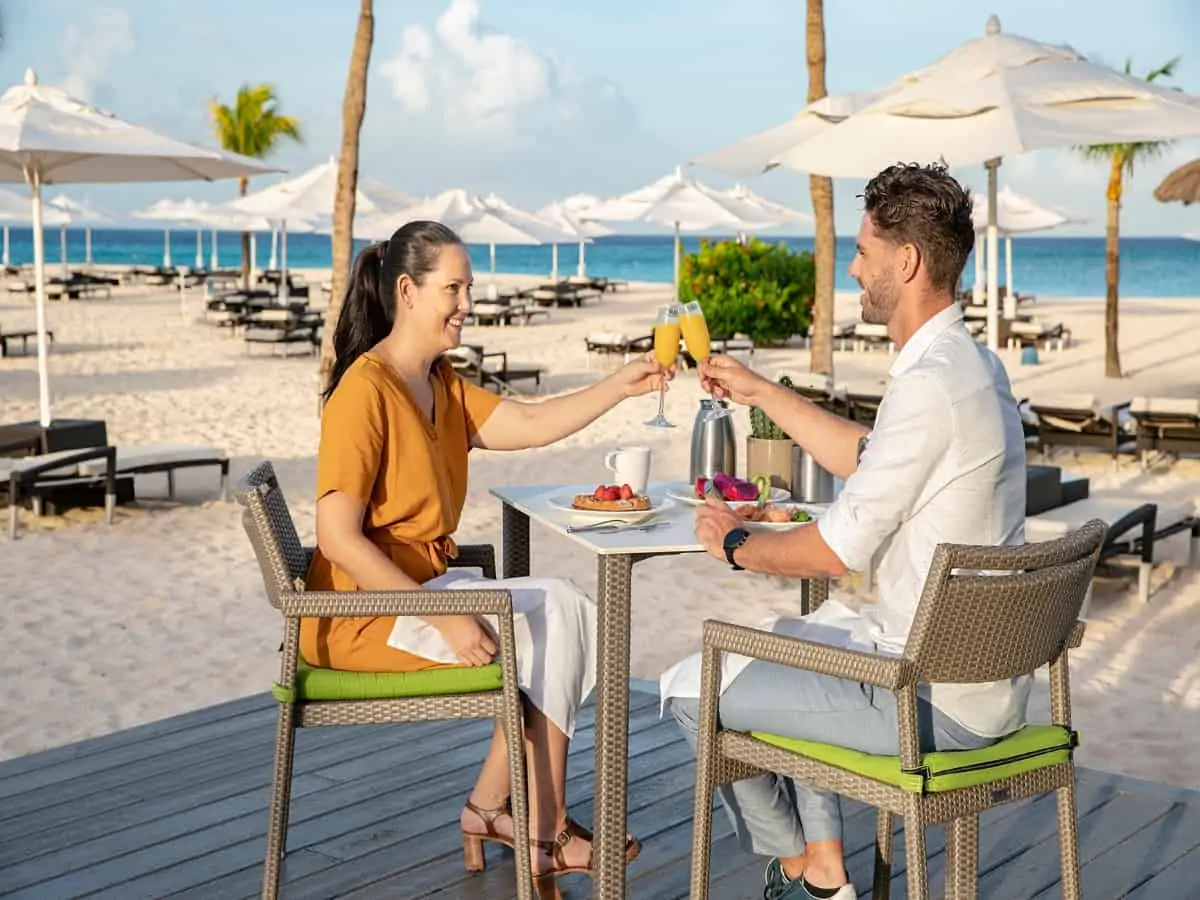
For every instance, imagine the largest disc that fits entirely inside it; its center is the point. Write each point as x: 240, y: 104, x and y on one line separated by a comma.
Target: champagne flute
x: 694, y: 328
x: 666, y: 350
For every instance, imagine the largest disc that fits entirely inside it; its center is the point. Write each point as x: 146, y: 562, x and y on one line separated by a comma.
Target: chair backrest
x: 993, y: 613
x: 281, y: 556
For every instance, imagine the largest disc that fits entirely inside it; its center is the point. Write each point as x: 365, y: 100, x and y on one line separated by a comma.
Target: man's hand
x: 714, y: 520
x: 470, y: 639
x: 725, y: 377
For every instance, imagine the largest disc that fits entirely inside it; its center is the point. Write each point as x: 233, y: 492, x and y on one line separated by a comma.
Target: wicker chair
x: 970, y: 627
x: 310, y: 696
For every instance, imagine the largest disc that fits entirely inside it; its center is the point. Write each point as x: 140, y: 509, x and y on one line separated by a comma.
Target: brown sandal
x: 473, y: 840
x: 545, y: 882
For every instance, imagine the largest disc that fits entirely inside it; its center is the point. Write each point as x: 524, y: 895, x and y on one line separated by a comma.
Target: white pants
x: 554, y: 622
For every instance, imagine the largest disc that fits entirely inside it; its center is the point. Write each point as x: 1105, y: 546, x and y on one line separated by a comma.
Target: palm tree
x: 354, y: 108
x: 1121, y: 159
x: 252, y: 127
x: 821, y: 188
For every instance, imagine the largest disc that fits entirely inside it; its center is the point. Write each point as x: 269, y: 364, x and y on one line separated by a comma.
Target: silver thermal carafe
x: 714, y: 446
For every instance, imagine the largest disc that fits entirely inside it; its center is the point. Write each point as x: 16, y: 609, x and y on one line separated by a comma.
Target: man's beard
x: 880, y: 301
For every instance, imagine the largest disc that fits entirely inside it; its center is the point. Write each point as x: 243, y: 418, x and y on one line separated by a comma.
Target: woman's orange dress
x: 378, y: 445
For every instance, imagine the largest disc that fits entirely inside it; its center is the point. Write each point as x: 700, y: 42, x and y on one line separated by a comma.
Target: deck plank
x: 178, y: 808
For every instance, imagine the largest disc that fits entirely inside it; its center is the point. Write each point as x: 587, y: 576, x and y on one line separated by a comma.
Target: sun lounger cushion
x: 812, y: 381
x: 8, y: 465
x: 1107, y: 507
x: 152, y: 455
x: 466, y: 355
x: 607, y: 339
x: 1033, y: 747
x: 335, y: 684
x: 1175, y: 406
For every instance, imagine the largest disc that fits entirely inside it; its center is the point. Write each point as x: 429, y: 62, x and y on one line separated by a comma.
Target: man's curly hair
x: 926, y: 207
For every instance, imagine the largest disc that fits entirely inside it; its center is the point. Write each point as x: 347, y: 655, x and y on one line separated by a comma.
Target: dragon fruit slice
x: 741, y: 490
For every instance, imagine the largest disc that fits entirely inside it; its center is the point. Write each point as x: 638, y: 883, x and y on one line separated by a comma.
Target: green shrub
x: 761, y: 290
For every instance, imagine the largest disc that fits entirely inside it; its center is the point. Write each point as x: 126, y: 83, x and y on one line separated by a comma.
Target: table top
x: 677, y: 536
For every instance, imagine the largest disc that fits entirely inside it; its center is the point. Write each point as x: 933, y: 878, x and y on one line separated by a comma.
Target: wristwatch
x: 733, y: 540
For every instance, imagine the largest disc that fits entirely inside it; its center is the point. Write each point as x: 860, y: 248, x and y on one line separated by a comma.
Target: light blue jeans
x: 773, y: 815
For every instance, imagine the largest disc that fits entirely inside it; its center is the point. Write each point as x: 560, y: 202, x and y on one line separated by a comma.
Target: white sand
x: 164, y: 612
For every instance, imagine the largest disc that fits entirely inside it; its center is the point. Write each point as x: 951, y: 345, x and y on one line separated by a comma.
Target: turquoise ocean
x: 1047, y: 266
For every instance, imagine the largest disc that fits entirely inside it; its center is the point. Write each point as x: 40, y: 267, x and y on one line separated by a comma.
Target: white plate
x: 563, y: 504
x: 685, y: 492
x: 814, y: 511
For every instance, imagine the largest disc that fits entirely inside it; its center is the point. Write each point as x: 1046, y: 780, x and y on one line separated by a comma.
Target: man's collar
x: 910, y: 354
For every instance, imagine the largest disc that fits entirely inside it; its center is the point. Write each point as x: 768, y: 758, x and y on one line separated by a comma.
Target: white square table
x: 615, y: 553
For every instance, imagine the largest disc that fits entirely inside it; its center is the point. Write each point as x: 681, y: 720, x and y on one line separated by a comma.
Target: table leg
x: 514, y: 543
x: 614, y: 583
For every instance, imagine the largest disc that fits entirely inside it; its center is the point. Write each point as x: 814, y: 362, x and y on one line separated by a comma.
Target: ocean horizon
x: 1043, y: 265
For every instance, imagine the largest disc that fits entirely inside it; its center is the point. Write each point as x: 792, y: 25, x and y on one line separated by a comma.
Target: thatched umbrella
x: 1182, y: 185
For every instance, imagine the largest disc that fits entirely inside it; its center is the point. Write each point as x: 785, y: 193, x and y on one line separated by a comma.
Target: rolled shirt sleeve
x: 911, y: 435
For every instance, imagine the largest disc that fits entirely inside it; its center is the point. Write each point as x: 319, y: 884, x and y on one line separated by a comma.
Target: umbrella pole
x: 582, y: 270
x: 675, y: 291
x: 1010, y: 294
x: 253, y: 252
x: 993, y: 260
x: 6, y: 256
x: 199, y: 248
x: 979, y: 288
x: 166, y: 248
x: 39, y: 283
x: 273, y: 262
x: 62, y: 247
x: 87, y: 245
x: 284, y: 293
x: 554, y: 262
x: 216, y: 258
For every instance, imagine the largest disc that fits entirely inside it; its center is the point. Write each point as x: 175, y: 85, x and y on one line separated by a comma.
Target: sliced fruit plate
x: 732, y: 489
x: 777, y: 516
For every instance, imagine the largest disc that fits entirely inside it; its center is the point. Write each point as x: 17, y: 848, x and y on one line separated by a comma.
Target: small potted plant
x: 769, y: 449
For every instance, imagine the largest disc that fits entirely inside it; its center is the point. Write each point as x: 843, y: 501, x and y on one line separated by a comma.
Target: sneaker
x: 777, y: 886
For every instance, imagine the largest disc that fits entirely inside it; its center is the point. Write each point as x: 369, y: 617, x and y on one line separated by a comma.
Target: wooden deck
x: 177, y: 808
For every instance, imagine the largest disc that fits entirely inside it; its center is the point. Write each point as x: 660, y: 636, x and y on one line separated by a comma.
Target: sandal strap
x: 555, y: 847
x: 489, y: 816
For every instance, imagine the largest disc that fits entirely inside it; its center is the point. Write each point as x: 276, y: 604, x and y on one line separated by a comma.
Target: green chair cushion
x: 313, y: 683
x: 1033, y: 747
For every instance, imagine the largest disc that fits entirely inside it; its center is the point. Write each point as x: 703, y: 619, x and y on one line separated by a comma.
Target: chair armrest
x: 889, y: 672
x: 327, y: 604
x: 502, y: 355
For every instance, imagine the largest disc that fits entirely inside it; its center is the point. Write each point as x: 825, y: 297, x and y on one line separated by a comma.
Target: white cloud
x: 89, y: 45
x: 477, y: 79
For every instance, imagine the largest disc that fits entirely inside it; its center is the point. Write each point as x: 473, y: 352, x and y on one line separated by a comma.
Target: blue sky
x: 536, y: 99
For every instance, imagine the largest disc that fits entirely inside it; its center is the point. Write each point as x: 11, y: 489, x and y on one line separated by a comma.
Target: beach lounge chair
x: 867, y: 336
x: 607, y: 343
x: 9, y: 338
x: 843, y: 336
x: 1166, y: 424
x: 863, y: 408
x: 34, y: 477
x: 1048, y: 336
x: 1078, y: 420
x: 147, y: 459
x: 820, y: 390
x: 491, y: 369
x: 281, y: 327
x: 311, y: 697
x: 969, y: 628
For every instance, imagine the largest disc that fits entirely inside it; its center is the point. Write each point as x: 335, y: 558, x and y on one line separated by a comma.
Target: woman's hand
x: 725, y: 377
x: 470, y: 639
x: 643, y: 375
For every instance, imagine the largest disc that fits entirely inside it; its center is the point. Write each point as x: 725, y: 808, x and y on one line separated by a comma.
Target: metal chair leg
x: 281, y: 793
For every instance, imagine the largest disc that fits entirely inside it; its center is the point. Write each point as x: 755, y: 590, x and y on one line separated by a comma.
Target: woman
x: 391, y: 483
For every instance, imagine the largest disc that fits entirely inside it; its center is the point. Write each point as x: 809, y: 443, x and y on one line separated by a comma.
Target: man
x: 945, y: 462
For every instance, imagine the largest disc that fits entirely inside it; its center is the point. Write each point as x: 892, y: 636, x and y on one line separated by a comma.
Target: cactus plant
x: 762, y: 426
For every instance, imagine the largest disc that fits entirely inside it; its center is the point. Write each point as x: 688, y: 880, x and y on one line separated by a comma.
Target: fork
x: 610, y: 526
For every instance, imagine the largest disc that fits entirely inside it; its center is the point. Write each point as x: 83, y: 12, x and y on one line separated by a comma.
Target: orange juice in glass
x: 666, y: 351
x: 695, y: 331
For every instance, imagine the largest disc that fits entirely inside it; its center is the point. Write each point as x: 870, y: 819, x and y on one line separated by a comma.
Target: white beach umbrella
x: 1015, y: 214
x: 187, y: 213
x: 488, y: 221
x: 561, y: 216
x: 1192, y: 236
x: 999, y: 95
x: 49, y: 137
x: 76, y: 213
x: 755, y: 206
x: 681, y: 202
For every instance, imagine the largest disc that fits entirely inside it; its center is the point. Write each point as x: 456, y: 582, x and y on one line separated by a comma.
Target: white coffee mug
x: 631, y: 466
